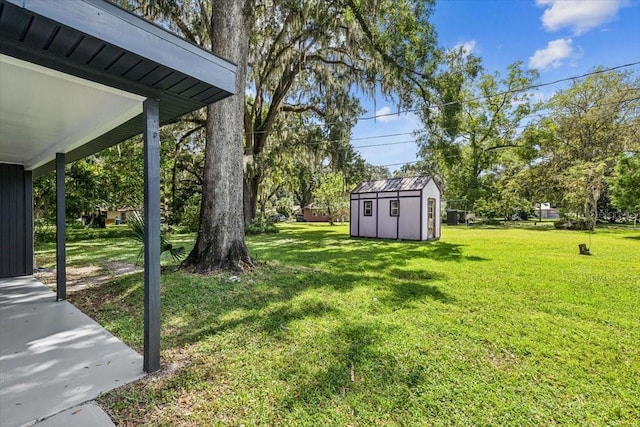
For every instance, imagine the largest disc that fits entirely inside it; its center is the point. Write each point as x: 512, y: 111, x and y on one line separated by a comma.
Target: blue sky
x: 559, y: 38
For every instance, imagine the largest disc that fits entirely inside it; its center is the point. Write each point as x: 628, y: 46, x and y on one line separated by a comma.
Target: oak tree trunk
x: 250, y: 195
x: 220, y: 243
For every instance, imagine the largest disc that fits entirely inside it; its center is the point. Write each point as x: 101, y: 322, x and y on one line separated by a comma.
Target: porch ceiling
x: 73, y: 74
x: 44, y: 112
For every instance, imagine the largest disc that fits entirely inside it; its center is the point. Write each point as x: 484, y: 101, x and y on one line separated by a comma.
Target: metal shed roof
x: 393, y: 184
x: 98, y: 42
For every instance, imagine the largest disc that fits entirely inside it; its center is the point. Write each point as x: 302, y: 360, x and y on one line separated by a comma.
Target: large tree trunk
x: 220, y: 243
x: 251, y: 184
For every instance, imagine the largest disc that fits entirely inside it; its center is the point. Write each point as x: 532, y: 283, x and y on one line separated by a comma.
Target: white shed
x: 396, y: 208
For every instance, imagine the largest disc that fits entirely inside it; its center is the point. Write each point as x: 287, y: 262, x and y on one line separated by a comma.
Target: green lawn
x: 488, y: 326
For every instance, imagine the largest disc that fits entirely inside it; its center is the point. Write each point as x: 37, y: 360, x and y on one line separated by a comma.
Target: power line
x: 376, y: 136
x: 458, y: 156
x: 463, y: 101
x: 522, y: 126
x: 396, y: 164
x: 385, y: 144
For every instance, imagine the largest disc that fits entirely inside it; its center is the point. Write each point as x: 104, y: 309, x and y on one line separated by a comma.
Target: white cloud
x: 579, y: 15
x: 467, y: 47
x: 385, y: 115
x: 552, y: 55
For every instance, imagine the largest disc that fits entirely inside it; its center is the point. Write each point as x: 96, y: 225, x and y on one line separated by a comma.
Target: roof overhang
x: 73, y: 75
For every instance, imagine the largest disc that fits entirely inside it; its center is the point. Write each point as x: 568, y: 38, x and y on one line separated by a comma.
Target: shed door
x: 431, y: 224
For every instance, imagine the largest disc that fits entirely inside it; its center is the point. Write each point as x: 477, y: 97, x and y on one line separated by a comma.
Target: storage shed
x: 396, y: 208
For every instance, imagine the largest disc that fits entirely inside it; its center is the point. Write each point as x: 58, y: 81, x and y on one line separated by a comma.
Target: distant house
x: 319, y: 214
x: 119, y: 216
x: 315, y: 214
x: 546, y: 211
x: 397, y: 208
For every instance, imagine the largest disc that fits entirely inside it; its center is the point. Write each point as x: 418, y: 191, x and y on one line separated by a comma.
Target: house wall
x: 551, y: 213
x: 308, y: 215
x: 16, y: 221
x: 112, y: 215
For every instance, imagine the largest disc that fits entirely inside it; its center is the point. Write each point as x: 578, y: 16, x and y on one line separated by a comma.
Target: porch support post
x: 29, y: 260
x: 151, y: 135
x: 61, y: 241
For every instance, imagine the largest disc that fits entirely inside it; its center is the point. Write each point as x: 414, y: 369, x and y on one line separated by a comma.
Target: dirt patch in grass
x: 80, y: 278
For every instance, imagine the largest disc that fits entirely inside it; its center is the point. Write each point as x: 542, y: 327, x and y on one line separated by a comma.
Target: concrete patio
x: 54, y: 358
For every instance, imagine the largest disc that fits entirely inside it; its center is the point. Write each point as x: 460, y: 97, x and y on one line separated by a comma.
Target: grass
x: 488, y: 326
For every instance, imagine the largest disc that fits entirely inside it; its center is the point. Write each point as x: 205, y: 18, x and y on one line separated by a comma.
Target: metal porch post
x: 151, y: 135
x: 61, y: 241
x: 29, y: 254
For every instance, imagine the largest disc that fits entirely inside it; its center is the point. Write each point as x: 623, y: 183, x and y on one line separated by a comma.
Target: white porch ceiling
x: 44, y: 112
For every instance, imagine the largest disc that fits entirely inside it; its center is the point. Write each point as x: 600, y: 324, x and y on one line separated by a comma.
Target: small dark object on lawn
x: 583, y: 249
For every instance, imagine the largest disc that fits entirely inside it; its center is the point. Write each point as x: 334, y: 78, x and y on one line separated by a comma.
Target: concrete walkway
x: 54, y: 358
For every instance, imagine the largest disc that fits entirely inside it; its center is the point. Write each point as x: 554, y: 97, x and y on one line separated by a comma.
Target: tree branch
x: 302, y: 108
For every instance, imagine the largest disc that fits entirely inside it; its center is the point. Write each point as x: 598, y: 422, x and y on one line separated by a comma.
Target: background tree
x: 85, y: 190
x: 468, y: 134
x: 588, y: 126
x: 625, y: 184
x: 331, y: 195
x: 122, y: 177
x: 307, y: 58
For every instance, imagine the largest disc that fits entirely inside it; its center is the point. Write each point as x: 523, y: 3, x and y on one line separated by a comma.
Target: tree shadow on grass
x: 415, y: 274
x: 413, y: 287
x: 359, y: 254
x: 194, y: 307
x: 632, y: 237
x: 411, y: 291
x: 353, y: 361
x: 267, y: 303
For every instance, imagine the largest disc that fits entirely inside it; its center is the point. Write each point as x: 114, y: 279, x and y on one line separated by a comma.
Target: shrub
x: 190, y: 218
x: 571, y: 224
x: 48, y: 234
x: 260, y: 225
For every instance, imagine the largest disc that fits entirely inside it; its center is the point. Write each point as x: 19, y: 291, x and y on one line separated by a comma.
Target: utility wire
x: 522, y: 126
x: 478, y: 98
x: 631, y: 125
x: 383, y: 144
x: 375, y: 137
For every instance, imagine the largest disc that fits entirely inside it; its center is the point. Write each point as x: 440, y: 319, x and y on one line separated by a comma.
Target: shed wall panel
x: 368, y: 223
x: 387, y: 224
x: 409, y: 228
x: 353, y: 220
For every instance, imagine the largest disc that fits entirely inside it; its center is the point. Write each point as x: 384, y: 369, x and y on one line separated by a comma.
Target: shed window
x: 368, y: 208
x: 394, y: 208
